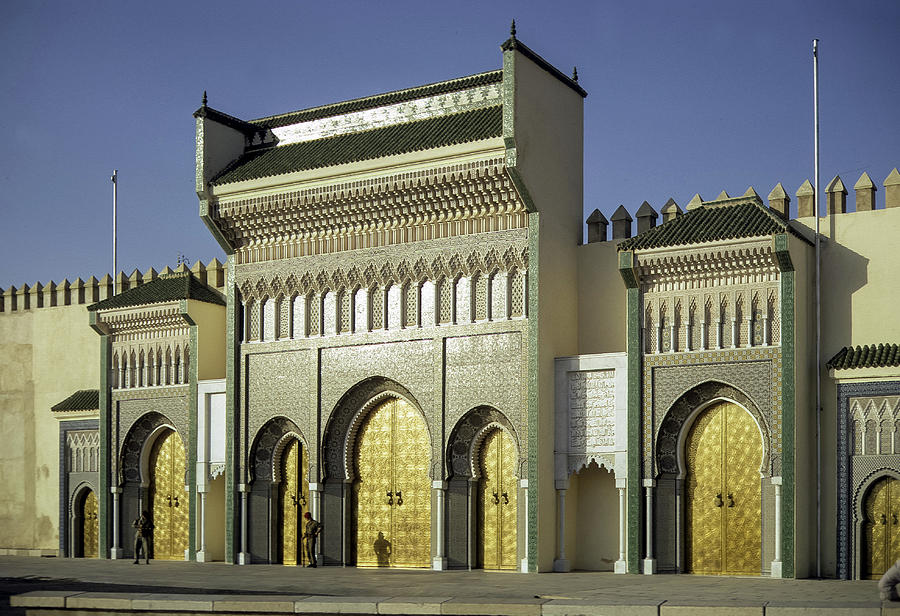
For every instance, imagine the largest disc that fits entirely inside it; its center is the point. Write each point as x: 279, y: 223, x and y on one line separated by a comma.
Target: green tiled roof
x: 727, y: 219
x: 869, y: 356
x: 168, y: 288
x: 82, y: 400
x: 352, y: 147
x: 380, y: 100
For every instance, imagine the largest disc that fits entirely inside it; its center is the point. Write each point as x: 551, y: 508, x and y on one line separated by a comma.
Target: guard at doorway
x: 143, y: 529
x: 312, y: 531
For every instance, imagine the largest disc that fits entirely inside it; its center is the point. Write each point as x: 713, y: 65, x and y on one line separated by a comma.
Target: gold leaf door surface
x: 90, y: 529
x: 881, y: 527
x: 497, y: 502
x: 723, y: 525
x: 393, y: 496
x: 169, y: 498
x: 293, y: 502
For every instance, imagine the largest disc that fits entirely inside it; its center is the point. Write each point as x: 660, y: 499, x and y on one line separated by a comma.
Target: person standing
x: 312, y: 531
x: 143, y: 528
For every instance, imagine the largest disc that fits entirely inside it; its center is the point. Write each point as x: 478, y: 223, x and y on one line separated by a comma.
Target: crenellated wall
x: 92, y: 290
x: 48, y: 351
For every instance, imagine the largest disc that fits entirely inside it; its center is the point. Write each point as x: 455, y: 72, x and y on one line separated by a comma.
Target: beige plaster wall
x: 46, y: 354
x: 549, y: 140
x: 860, y: 294
x: 602, y: 324
x: 592, y: 520
x: 210, y: 320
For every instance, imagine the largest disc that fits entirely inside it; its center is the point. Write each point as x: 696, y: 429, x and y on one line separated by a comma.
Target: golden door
x: 168, y: 498
x: 881, y: 528
x: 723, y: 525
x: 497, y: 502
x: 293, y: 502
x: 90, y: 526
x: 393, y: 490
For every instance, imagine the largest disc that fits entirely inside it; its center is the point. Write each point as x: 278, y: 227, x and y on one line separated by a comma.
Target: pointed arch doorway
x: 392, y: 491
x: 723, y: 453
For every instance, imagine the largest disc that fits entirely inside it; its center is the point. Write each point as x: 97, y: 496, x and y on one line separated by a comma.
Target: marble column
x: 439, y: 560
x: 649, y: 564
x: 243, y: 555
x: 561, y: 564
x: 115, y: 552
x: 621, y: 565
x: 776, y: 563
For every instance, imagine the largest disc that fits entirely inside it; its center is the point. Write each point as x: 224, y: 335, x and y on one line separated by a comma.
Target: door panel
x: 393, y: 490
x: 293, y: 502
x: 881, y: 527
x: 723, y: 513
x: 169, y: 499
x: 497, y: 502
x: 90, y: 529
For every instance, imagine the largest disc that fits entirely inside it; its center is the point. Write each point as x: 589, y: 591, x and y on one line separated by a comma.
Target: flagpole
x: 818, y: 320
x: 115, y: 183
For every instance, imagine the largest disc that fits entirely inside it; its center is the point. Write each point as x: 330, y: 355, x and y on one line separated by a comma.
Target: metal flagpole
x: 115, y: 183
x: 818, y: 321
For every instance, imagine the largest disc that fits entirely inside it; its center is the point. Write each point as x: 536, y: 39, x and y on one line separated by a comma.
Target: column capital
x: 438, y: 484
x: 562, y: 484
x: 649, y: 483
x: 315, y: 486
x: 776, y: 481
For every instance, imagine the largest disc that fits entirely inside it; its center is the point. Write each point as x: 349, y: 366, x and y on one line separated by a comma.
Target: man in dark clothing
x: 143, y: 528
x: 312, y: 531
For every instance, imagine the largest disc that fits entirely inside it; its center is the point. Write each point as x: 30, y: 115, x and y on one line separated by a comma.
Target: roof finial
x: 204, y: 98
x: 512, y: 29
x: 575, y: 74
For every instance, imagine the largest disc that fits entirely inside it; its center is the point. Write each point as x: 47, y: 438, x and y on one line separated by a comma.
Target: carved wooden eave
x: 440, y: 198
x: 145, y: 323
x: 707, y: 265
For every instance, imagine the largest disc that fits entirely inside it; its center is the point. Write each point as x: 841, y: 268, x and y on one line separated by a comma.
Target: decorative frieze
x: 447, y: 201
x: 445, y: 285
x: 726, y: 297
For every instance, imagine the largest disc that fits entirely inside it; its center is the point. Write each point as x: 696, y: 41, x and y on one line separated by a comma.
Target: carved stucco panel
x: 759, y: 378
x: 172, y: 403
x: 487, y: 370
x: 280, y: 385
x: 411, y: 364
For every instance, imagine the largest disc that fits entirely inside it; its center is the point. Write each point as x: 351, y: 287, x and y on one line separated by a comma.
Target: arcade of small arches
x: 334, y: 310
x: 150, y: 367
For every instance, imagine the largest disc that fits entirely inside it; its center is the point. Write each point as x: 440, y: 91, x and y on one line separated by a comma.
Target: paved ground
x: 25, y: 574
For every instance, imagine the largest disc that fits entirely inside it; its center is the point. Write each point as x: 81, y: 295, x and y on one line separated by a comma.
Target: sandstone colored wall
x: 46, y: 354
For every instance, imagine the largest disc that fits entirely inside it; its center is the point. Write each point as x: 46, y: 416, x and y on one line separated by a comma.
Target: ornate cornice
x: 439, y: 201
x: 708, y: 266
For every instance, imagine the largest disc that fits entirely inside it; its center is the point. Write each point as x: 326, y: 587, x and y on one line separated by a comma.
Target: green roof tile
x: 868, y: 356
x: 436, y: 132
x: 82, y: 400
x: 727, y: 219
x: 379, y: 100
x: 167, y: 288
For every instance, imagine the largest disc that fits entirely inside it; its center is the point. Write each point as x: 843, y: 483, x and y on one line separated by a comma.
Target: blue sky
x: 684, y: 97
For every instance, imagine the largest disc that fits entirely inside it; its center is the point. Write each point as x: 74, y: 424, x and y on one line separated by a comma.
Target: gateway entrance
x: 881, y: 528
x: 168, y: 498
x: 723, y: 510
x: 293, y: 502
x: 393, y: 488
x: 90, y: 526
x: 497, y: 502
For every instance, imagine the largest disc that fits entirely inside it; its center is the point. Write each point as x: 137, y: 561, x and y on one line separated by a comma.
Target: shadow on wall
x: 843, y: 273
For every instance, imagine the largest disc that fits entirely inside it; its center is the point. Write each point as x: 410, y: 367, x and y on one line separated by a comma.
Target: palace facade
x: 410, y: 340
